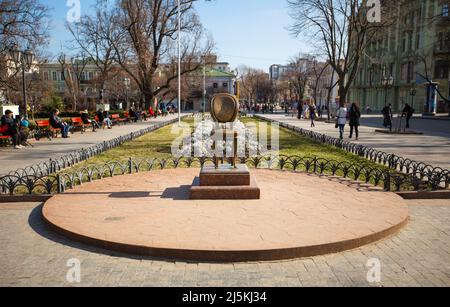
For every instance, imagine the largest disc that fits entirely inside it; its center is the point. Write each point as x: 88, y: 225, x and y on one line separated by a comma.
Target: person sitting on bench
x: 87, y: 121
x: 58, y: 123
x: 10, y: 127
x: 132, y: 115
x: 103, y: 117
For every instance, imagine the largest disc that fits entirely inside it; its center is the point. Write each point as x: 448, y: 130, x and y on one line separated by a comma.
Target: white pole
x: 204, y: 87
x: 179, y: 63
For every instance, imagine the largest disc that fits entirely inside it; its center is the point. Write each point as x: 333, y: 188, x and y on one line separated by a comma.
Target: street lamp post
x: 127, y: 83
x: 387, y: 83
x: 204, y: 90
x: 413, y: 95
x: 179, y: 62
x: 23, y: 60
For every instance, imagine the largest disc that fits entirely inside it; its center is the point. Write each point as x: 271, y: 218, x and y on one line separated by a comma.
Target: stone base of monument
x: 225, y: 182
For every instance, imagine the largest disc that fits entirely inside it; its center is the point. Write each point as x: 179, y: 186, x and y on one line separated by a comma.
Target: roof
x: 212, y: 72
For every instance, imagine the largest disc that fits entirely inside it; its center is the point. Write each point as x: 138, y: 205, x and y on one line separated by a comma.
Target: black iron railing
x: 53, y: 166
x: 414, y: 169
x: 14, y: 184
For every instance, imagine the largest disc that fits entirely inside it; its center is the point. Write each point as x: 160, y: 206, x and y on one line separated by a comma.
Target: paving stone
x: 30, y: 258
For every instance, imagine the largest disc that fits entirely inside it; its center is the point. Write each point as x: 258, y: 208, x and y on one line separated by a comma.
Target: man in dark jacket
x: 88, y: 121
x: 408, y: 111
x: 354, y: 116
x: 387, y: 117
x: 10, y: 127
x: 58, y: 123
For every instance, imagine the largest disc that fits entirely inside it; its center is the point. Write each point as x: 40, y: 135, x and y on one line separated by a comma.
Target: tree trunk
x: 342, y: 94
x: 148, y: 99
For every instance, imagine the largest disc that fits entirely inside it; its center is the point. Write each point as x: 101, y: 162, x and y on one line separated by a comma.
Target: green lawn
x: 292, y: 144
x: 158, y: 145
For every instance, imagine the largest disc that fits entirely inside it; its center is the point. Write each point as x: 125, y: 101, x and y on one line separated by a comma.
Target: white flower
x: 201, y: 143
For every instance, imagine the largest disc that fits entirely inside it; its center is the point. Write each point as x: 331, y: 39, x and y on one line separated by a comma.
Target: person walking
x: 341, y: 120
x: 299, y: 108
x: 354, y: 115
x: 312, y: 114
x: 387, y: 117
x: 408, y: 111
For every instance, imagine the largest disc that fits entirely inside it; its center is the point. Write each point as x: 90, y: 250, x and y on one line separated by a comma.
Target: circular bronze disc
x: 224, y: 108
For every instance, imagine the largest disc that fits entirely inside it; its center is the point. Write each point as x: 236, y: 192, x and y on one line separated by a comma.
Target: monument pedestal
x: 225, y: 182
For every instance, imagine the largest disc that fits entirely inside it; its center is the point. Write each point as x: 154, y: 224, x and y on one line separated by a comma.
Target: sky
x: 246, y: 32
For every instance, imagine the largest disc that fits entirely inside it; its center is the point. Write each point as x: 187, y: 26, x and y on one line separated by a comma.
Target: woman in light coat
x: 342, y: 120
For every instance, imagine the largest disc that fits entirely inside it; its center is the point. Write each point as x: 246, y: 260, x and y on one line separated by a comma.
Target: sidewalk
x: 432, y: 148
x: 11, y: 159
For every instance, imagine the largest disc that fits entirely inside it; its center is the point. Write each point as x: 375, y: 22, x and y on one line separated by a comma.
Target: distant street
x: 433, y: 147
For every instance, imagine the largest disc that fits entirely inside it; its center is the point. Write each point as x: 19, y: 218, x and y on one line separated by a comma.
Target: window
x: 55, y: 76
x: 410, y: 42
x: 445, y: 10
x: 410, y: 72
x: 215, y: 85
x: 406, y: 72
x: 371, y: 76
x: 62, y: 76
x: 45, y: 76
x: 225, y: 84
x: 441, y: 69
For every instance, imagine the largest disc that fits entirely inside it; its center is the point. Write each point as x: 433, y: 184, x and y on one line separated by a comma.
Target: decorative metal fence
x: 401, y: 174
x: 415, y: 169
x: 14, y: 184
x: 53, y: 166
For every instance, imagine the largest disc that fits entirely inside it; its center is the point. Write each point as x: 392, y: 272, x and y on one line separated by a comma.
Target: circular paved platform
x: 299, y: 215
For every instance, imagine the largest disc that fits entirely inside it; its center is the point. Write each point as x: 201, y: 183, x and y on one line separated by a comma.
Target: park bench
x: 117, y: 120
x: 102, y: 124
x: 5, y: 140
x: 44, y: 128
x: 77, y: 122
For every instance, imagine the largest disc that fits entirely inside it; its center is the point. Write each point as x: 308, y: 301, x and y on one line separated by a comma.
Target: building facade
x: 277, y: 71
x: 53, y: 73
x: 218, y: 79
x: 320, y: 83
x: 402, y: 61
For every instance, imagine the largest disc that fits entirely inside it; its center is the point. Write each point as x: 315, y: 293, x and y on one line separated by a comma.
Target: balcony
x: 442, y: 21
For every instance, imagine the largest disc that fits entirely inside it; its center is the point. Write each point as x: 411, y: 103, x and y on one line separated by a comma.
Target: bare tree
x: 89, y: 36
x: 23, y: 22
x: 144, y: 38
x: 255, y: 85
x: 317, y: 71
x: 341, y: 28
x: 300, y: 74
x: 72, y: 71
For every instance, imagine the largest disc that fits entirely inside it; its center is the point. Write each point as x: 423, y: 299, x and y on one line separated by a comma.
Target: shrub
x: 55, y: 102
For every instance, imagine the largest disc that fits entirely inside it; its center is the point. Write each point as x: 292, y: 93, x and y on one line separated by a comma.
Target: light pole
x: 179, y: 63
x: 413, y: 95
x: 204, y: 88
x: 387, y: 83
x: 22, y: 60
x: 127, y: 83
